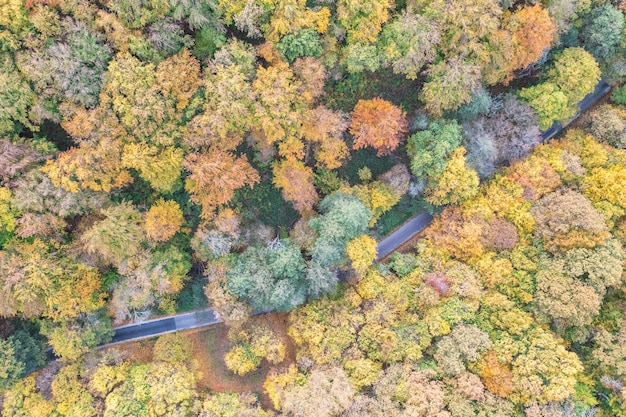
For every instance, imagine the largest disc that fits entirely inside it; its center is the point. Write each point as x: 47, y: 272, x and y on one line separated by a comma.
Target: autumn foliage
x: 377, y: 124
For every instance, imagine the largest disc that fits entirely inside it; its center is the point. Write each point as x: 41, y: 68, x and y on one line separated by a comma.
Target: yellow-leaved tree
x: 456, y: 183
x: 362, y: 252
x: 163, y: 220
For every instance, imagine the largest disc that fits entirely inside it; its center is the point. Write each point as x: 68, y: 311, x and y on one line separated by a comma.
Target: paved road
x: 386, y: 246
x: 403, y: 234
x: 163, y: 325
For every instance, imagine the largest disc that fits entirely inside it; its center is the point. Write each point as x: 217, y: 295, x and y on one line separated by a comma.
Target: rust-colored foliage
x: 533, y: 32
x: 296, y: 181
x: 497, y: 377
x: 439, y: 281
x: 214, y: 177
x: 379, y: 124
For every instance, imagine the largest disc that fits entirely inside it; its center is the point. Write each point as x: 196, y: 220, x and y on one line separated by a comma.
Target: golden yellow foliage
x: 163, y: 220
x: 179, y: 76
x: 276, y: 382
x: 496, y: 376
x: 607, y: 184
x: 456, y: 183
x: 362, y: 252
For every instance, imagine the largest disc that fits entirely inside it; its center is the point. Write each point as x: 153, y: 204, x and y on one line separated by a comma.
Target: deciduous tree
x: 163, y: 220
x: 71, y: 339
x: 450, y: 83
x: 362, y: 252
x: 533, y: 32
x: 409, y: 42
x: 39, y: 280
x: 214, y: 177
x: 550, y: 103
x: 602, y: 31
x: 118, y: 236
x: 575, y: 73
x: 456, y: 183
x: 429, y: 149
x: 324, y: 129
x: 566, y: 219
x: 344, y: 218
x: 296, y: 181
x: 326, y: 392
x: 16, y: 97
x: 270, y: 278
x: 378, y: 124
x: 363, y: 19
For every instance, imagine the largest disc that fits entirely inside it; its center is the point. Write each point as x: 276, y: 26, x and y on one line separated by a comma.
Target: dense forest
x: 160, y: 156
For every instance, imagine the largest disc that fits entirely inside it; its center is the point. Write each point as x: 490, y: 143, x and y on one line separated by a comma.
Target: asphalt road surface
x: 403, y: 234
x: 163, y: 325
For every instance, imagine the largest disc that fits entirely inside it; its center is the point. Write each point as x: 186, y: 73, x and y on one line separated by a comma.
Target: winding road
x: 386, y: 246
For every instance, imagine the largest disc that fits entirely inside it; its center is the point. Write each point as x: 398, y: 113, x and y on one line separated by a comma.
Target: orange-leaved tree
x: 379, y: 124
x: 296, y: 181
x: 214, y: 177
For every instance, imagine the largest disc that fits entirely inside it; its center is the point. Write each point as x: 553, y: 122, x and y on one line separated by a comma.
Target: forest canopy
x: 161, y: 156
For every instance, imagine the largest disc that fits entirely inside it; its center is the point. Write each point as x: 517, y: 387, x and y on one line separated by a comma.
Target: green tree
x: 408, y: 43
x: 344, y: 218
x: 19, y: 353
x: 575, y: 73
x: 16, y: 99
x: 305, y: 42
x: 550, y: 103
x: 429, y: 149
x: 602, y: 31
x: 270, y: 278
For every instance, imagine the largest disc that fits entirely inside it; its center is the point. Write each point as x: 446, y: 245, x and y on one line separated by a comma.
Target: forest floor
x: 210, y: 345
